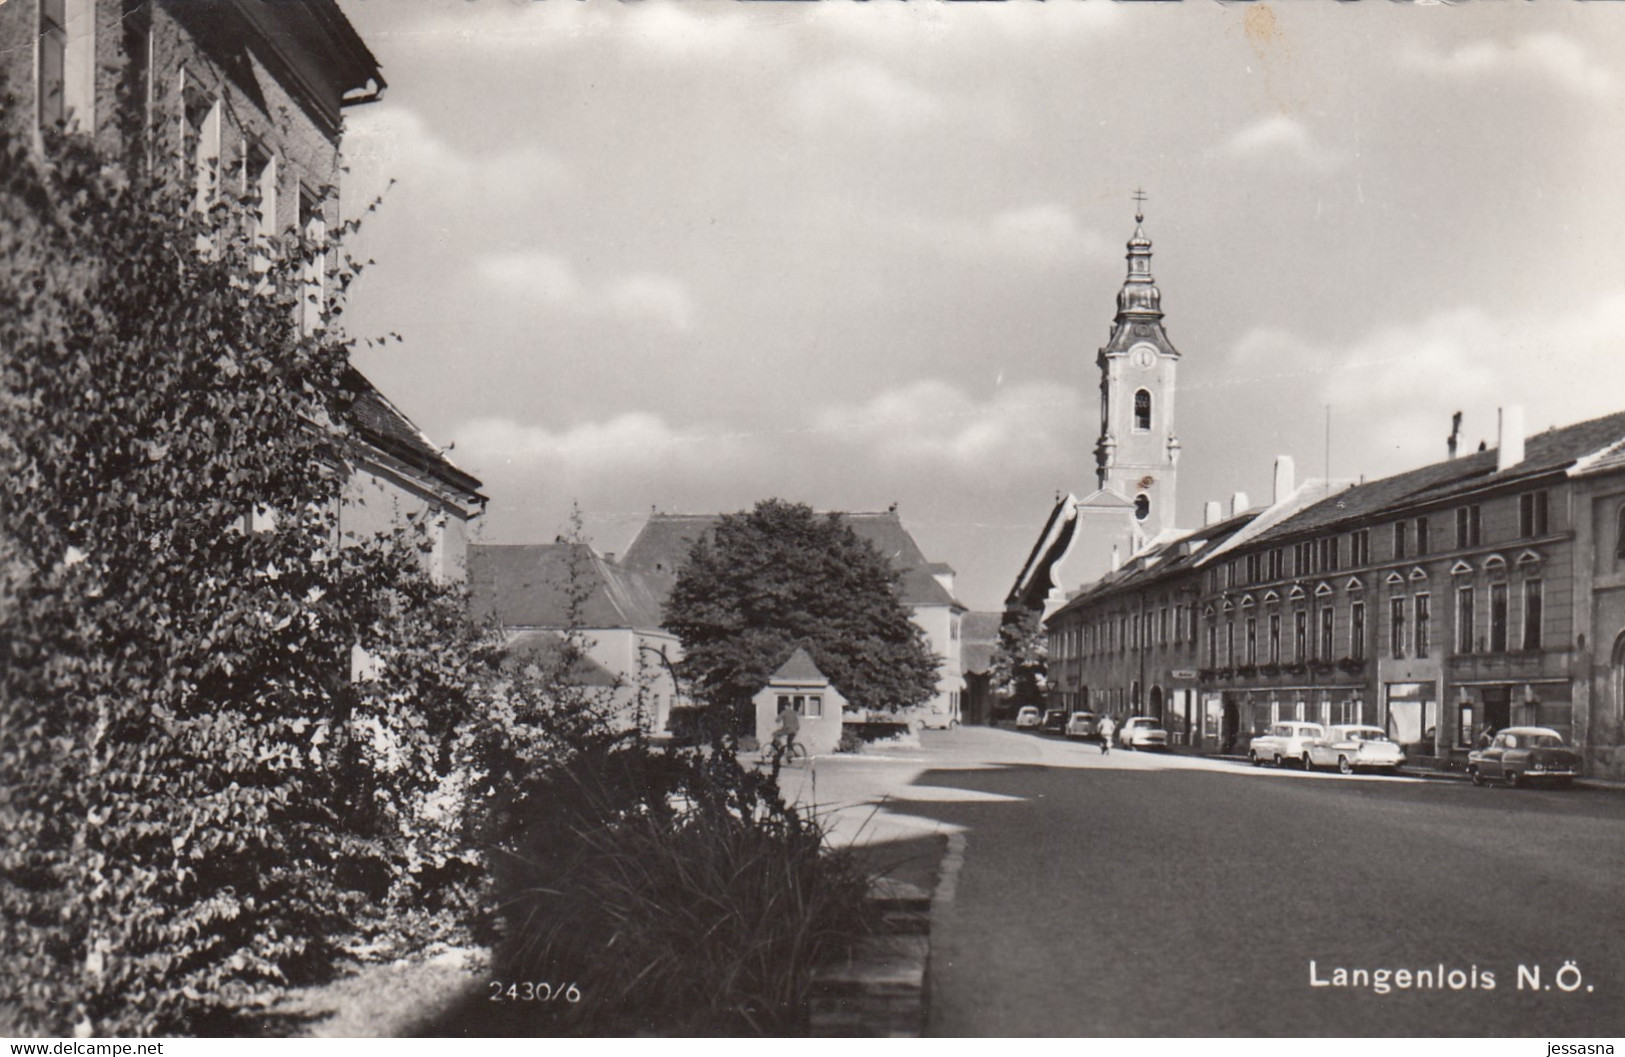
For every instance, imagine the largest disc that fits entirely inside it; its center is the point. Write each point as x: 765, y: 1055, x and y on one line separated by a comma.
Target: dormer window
x: 1142, y: 410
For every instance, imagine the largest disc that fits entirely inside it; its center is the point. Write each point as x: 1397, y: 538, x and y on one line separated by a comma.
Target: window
x: 1532, y: 514
x: 1230, y: 642
x: 1328, y: 553
x: 1142, y: 507
x: 1467, y: 526
x: 1424, y: 625
x: 1400, y: 528
x: 1275, y: 638
x: 1142, y: 410
x: 1300, y: 559
x: 1300, y: 636
x: 313, y: 228
x: 1252, y: 640
x: 1464, y: 620
x: 53, y: 56
x: 1619, y: 534
x: 1212, y: 644
x: 1421, y: 536
x: 1122, y: 633
x: 813, y: 706
x: 953, y: 628
x: 1162, y: 626
x: 1253, y: 568
x: 1498, y: 618
x: 200, y: 144
x: 259, y: 187
x: 1396, y: 628
x: 1531, y: 614
x: 1357, y: 631
x: 1327, y: 626
x: 1360, y: 547
x: 1277, y: 563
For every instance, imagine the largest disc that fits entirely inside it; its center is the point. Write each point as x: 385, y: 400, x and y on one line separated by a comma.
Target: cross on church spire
x: 1139, y: 203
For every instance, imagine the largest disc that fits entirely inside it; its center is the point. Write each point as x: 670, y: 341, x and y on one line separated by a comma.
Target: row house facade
x: 1442, y: 603
x: 246, y: 101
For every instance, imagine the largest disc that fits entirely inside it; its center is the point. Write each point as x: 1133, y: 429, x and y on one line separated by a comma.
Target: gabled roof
x: 1175, y: 555
x: 529, y: 586
x: 1545, y: 453
x: 384, y: 426
x: 799, y: 669
x: 662, y: 545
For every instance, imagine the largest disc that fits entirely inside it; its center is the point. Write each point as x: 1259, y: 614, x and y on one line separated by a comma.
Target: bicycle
x: 779, y: 752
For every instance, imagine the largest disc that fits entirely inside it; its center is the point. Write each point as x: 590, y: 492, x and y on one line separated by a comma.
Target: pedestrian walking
x: 1106, y: 729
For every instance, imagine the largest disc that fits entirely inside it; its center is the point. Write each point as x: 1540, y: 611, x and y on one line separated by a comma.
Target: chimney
x: 1238, y: 503
x: 1285, y: 479
x: 1211, y: 513
x: 1509, y: 448
x: 1455, y: 433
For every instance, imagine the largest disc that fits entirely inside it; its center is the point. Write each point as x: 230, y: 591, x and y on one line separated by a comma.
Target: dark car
x: 1054, y: 722
x: 1521, y: 755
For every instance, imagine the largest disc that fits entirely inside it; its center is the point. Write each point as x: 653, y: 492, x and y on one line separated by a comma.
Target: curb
x: 878, y: 991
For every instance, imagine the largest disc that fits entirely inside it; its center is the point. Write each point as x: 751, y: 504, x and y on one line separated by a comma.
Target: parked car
x: 1028, y: 718
x: 1082, y: 725
x: 1353, y: 747
x: 1141, y: 732
x: 1283, y: 742
x: 1054, y: 722
x: 1520, y: 755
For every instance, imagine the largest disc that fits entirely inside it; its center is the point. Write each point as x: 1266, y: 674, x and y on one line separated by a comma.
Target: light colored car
x: 1284, y: 742
x: 1520, y: 755
x: 1141, y: 732
x: 1353, y: 747
x: 1082, y: 725
x: 1027, y: 718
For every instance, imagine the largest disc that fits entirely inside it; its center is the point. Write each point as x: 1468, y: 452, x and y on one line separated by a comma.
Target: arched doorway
x: 1229, y: 725
x: 1155, y: 710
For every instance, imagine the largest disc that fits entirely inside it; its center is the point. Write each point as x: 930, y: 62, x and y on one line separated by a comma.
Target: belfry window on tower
x: 1142, y: 506
x: 1142, y: 410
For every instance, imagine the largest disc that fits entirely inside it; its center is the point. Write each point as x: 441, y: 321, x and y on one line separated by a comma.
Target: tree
x: 1020, y: 659
x: 780, y: 576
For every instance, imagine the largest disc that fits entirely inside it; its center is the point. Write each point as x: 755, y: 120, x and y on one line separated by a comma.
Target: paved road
x: 1156, y: 895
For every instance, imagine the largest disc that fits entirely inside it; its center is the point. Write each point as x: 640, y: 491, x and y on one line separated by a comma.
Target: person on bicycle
x: 789, y: 727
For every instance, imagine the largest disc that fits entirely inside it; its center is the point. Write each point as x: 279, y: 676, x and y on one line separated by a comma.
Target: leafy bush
x: 197, y: 801
x: 679, y: 894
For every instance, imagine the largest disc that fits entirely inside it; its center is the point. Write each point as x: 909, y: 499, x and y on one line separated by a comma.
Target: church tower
x: 1137, y: 452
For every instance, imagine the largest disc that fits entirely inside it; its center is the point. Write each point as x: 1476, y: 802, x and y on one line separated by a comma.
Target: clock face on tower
x: 1142, y: 356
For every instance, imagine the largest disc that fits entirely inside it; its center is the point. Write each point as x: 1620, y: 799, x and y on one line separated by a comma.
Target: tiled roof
x: 529, y: 585
x: 383, y: 425
x: 1544, y: 453
x: 662, y: 545
x: 1177, y: 555
x: 799, y: 669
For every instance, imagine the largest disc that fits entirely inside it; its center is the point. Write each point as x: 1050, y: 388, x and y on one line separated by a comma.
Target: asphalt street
x: 1138, y: 894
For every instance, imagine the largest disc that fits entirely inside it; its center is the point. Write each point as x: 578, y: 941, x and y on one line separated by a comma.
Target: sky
x: 686, y: 256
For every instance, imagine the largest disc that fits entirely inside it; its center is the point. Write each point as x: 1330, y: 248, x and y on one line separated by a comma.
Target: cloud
x: 931, y: 423
x: 840, y: 94
x: 1551, y: 57
x: 1040, y: 235
x: 634, y: 439
x: 1401, y: 382
x: 388, y: 142
x: 551, y: 280
x: 1279, y: 137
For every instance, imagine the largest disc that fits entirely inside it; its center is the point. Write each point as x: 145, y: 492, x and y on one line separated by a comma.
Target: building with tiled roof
x: 1440, y: 603
x: 664, y: 542
x: 536, y: 591
x: 246, y: 101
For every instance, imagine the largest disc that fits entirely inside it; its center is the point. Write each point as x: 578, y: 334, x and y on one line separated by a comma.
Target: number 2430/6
x: 533, y: 991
